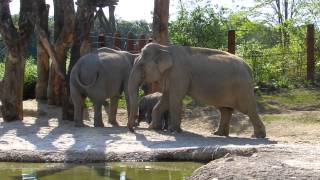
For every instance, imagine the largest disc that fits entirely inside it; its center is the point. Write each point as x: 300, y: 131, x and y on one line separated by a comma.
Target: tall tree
x: 16, y: 42
x: 160, y: 21
x: 63, y: 39
x: 42, y: 14
x: 284, y: 13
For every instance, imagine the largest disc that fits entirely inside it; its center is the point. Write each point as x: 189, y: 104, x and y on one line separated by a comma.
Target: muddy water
x: 106, y: 171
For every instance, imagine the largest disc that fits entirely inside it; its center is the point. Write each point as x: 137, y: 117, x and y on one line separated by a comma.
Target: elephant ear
x: 164, y: 61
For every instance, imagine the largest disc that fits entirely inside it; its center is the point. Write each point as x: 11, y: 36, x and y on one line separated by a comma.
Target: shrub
x: 30, y: 78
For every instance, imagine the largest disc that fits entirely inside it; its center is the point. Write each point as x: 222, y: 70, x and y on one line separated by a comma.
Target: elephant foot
x: 130, y: 127
x: 79, y: 124
x: 175, y: 129
x: 261, y: 134
x: 114, y: 123
x: 100, y: 124
x: 155, y: 126
x: 221, y: 133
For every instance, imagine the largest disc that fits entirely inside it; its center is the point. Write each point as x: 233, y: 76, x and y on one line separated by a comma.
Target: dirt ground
x: 291, y: 150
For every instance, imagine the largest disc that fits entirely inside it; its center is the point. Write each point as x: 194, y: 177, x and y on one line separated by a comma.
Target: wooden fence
x: 128, y: 43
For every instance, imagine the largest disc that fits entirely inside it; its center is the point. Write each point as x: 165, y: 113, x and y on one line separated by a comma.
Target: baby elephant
x: 146, y: 105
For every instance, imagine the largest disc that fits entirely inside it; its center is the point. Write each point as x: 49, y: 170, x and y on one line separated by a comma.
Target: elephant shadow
x: 188, y: 139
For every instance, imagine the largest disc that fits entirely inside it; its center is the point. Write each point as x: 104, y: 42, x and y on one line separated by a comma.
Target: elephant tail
x: 91, y: 84
x: 249, y: 70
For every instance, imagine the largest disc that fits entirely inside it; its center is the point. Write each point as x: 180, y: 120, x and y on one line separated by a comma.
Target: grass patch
x: 302, y: 118
x: 297, y: 99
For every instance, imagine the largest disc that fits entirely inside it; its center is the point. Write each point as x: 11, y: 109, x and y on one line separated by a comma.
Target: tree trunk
x: 84, y: 17
x: 63, y: 36
x: 42, y: 55
x: 12, y: 107
x: 160, y: 21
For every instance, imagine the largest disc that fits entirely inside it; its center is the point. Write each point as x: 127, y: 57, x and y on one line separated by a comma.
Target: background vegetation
x: 272, y: 40
x: 30, y: 77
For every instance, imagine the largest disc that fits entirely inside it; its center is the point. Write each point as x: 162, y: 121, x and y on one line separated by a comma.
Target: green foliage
x: 136, y: 27
x: 276, y: 51
x: 200, y: 26
x: 30, y: 77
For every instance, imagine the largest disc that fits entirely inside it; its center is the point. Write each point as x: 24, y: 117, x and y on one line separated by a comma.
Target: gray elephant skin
x: 209, y: 76
x: 146, y: 105
x: 100, y: 75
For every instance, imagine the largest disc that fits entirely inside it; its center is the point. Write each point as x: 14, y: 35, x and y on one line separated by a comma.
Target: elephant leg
x: 223, y: 129
x: 127, y: 101
x: 165, y: 120
x: 175, y: 107
x: 157, y: 111
x: 78, y: 101
x: 97, y: 115
x: 258, y: 126
x: 113, y: 111
x: 149, y: 116
x: 106, y: 106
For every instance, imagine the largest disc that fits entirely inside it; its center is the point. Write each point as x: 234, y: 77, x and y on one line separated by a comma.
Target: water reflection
x: 109, y: 171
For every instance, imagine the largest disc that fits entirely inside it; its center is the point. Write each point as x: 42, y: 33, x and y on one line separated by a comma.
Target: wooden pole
x: 116, y: 41
x: 232, y: 41
x: 101, y: 40
x: 142, y: 42
x: 130, y: 45
x: 310, y: 52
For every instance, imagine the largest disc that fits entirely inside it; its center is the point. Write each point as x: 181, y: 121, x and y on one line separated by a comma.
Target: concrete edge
x: 200, y: 154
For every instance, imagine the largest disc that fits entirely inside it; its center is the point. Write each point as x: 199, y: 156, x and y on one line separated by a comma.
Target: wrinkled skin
x: 146, y: 105
x: 209, y: 76
x: 100, y: 75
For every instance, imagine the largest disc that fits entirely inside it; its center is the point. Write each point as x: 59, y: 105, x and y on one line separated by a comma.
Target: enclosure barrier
x: 308, y: 55
x: 128, y: 43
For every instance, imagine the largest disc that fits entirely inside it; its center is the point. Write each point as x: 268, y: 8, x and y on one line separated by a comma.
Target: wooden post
x: 101, y: 40
x: 130, y: 45
x: 142, y: 42
x: 310, y: 52
x: 232, y: 41
x: 116, y: 41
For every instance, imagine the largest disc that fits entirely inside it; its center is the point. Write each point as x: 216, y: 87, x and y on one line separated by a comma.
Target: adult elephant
x: 99, y: 75
x: 210, y: 76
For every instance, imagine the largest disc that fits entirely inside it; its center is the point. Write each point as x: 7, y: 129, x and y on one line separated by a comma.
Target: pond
x: 96, y: 171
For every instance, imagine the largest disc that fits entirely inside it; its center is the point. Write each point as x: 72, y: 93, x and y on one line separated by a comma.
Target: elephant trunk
x: 135, y: 80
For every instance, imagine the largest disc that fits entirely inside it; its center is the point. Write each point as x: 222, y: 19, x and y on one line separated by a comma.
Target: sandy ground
x: 291, y: 150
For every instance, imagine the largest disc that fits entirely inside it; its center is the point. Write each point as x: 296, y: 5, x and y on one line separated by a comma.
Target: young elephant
x: 100, y: 75
x: 209, y: 76
x: 146, y: 105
